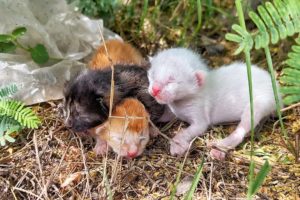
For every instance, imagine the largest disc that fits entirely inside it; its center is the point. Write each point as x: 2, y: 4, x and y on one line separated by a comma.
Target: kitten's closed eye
x: 116, y: 138
x: 142, y: 138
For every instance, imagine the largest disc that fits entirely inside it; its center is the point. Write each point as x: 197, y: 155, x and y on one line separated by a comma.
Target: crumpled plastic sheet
x: 66, y: 34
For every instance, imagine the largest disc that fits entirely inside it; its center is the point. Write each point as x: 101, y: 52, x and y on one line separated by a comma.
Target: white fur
x: 174, y: 64
x: 223, y: 97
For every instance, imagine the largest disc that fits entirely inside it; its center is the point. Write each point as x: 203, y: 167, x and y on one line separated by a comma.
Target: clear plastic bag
x: 67, y: 35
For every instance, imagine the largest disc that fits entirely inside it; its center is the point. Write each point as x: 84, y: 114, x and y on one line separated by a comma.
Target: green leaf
x: 16, y: 110
x: 8, y: 90
x: 39, y: 54
x: 290, y: 90
x: 196, y: 179
x: 5, y: 38
x: 240, y: 49
x: 277, y: 20
x: 288, y: 100
x: 9, y: 138
x: 259, y: 179
x: 7, y: 47
x: 268, y: 21
x: 233, y: 37
x: 19, y: 32
x: 2, y: 141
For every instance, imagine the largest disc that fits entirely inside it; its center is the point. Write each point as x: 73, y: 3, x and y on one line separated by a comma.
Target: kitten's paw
x: 220, y: 144
x: 178, y: 146
x: 100, y: 149
x: 217, y: 154
x: 153, y: 131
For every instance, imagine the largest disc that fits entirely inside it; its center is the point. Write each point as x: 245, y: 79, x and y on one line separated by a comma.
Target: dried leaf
x: 71, y: 178
x: 184, y: 185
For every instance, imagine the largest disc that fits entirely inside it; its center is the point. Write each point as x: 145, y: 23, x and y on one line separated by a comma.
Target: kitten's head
x: 127, y: 137
x: 173, y: 77
x: 84, y: 105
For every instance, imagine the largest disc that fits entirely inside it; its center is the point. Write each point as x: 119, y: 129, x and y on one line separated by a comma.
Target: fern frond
x: 274, y: 21
x: 7, y: 91
x: 8, y: 126
x: 291, y: 76
x: 19, y: 112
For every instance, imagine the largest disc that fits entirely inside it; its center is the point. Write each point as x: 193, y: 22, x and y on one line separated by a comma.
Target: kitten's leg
x: 100, y: 147
x: 262, y: 108
x: 180, y: 142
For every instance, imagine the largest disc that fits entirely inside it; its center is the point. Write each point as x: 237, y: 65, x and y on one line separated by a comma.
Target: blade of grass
x: 143, y: 16
x: 199, y: 15
x: 174, y: 189
x: 249, y: 75
x: 278, y: 103
x: 196, y: 179
x: 105, y: 179
x: 259, y: 179
x: 209, y: 10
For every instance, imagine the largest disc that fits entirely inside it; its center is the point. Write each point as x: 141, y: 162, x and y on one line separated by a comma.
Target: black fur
x: 88, y: 95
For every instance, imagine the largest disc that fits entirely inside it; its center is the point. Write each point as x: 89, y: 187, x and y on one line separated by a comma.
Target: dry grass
x: 54, y: 163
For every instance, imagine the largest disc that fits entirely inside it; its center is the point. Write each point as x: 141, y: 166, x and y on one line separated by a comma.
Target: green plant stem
x: 249, y: 74
x: 20, y: 45
x: 278, y: 103
x: 275, y: 90
x: 144, y: 14
x: 187, y: 23
x: 199, y: 14
x: 219, y: 10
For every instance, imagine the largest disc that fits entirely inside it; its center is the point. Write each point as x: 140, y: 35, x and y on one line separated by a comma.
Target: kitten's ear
x: 200, y: 77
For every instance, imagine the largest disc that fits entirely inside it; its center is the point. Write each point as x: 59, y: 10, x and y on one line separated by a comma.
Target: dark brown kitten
x: 87, y: 95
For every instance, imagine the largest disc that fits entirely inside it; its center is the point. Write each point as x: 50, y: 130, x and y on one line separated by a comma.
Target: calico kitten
x: 202, y: 97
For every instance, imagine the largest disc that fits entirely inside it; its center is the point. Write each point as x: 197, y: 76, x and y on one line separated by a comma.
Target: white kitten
x: 179, y: 78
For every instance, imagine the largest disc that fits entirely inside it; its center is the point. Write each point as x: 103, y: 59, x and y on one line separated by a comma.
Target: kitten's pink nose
x: 132, y: 154
x: 155, y: 90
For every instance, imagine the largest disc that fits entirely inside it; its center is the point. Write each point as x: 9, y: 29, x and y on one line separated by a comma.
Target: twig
x: 13, y: 193
x: 110, y: 111
x: 210, y: 179
x: 115, y: 167
x: 39, y: 164
x: 26, y: 191
x: 162, y: 134
x: 297, y: 147
x: 57, y: 167
x: 21, y: 179
x: 174, y: 189
x: 290, y: 107
x: 37, y: 180
x: 86, y: 170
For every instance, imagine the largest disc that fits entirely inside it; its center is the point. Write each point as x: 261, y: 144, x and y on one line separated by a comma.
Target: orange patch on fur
x: 129, y: 108
x: 119, y: 52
